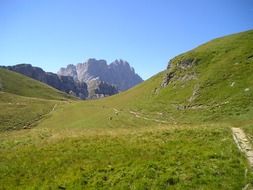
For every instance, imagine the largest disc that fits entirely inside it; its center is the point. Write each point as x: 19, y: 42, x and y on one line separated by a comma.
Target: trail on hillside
x: 243, y: 144
x: 52, y: 109
x: 138, y: 115
x: 36, y: 121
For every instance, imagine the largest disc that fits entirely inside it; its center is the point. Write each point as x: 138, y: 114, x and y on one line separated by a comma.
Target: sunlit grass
x: 203, y: 157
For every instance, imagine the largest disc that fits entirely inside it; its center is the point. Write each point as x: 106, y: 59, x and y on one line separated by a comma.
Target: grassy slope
x: 90, y: 145
x: 18, y: 111
x: 101, y: 113
x: 24, y: 101
x: 221, y: 63
x: 223, y: 73
x: 222, y: 85
x: 140, y: 158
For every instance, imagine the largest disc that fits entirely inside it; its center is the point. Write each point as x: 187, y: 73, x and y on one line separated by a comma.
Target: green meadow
x: 153, y: 136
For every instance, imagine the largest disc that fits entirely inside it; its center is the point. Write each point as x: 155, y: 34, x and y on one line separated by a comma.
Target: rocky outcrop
x: 99, y: 89
x: 180, y: 70
x: 118, y: 74
x: 63, y: 83
x: 167, y: 78
x: 70, y: 70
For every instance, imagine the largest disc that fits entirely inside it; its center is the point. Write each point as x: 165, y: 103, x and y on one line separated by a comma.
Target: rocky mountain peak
x: 118, y: 73
x: 70, y: 70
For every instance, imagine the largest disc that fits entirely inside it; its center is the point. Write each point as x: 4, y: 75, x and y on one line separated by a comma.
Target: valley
x: 172, y: 131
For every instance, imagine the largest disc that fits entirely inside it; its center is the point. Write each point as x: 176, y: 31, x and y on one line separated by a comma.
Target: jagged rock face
x: 122, y: 75
x: 92, y: 69
x: 99, y: 89
x: 118, y: 73
x: 64, y: 83
x: 69, y: 71
x: 180, y: 70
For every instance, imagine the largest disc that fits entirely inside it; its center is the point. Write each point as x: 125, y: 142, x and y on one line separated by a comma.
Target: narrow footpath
x: 243, y: 144
x: 37, y: 120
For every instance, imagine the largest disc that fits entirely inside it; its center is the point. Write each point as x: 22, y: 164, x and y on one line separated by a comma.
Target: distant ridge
x: 63, y: 83
x: 90, y: 80
x: 18, y: 84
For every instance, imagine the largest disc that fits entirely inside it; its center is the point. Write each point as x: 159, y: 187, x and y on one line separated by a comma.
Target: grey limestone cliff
x: 118, y: 73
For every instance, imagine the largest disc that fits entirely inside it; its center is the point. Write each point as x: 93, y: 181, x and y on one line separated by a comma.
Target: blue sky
x: 147, y: 33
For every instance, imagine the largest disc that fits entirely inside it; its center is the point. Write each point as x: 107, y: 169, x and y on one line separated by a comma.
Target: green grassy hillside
x: 165, y: 157
x: 215, y: 86
x: 213, y: 82
x: 18, y: 112
x: 170, y: 132
x: 210, y: 83
x: 24, y: 101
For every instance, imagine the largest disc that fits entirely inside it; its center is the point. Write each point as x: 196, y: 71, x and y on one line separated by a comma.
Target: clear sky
x: 146, y: 33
